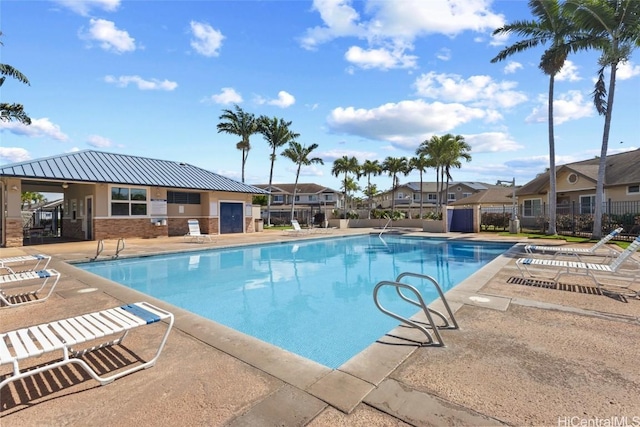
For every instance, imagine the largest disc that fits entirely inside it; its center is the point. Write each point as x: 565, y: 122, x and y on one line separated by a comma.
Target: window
x: 399, y: 195
x: 328, y: 197
x: 128, y: 201
x: 451, y: 197
x: 183, y: 198
x: 313, y: 198
x: 432, y: 197
x: 572, y: 178
x: 297, y: 198
x: 465, y: 195
x: 587, y: 204
x: 416, y: 197
x: 532, y: 207
x: 633, y: 189
x: 278, y: 198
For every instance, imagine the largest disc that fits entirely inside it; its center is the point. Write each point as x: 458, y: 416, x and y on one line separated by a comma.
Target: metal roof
x: 97, y: 166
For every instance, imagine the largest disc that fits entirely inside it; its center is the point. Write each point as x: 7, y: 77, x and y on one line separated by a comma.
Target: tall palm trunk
x: 552, y: 163
x: 597, y: 220
x: 295, y: 190
x: 273, y: 159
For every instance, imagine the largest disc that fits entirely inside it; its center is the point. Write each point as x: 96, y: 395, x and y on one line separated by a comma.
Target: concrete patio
x: 524, y: 355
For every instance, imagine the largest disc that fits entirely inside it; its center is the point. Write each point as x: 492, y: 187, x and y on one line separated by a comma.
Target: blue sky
x: 368, y: 79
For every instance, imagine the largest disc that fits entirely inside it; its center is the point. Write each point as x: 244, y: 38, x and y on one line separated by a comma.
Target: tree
x: 420, y: 164
x: 277, y: 133
x: 242, y: 124
x: 350, y: 186
x: 345, y: 165
x: 550, y: 26
x: 434, y: 149
x: 456, y: 149
x: 28, y: 198
x: 612, y: 27
x: 299, y: 155
x: 369, y: 168
x: 9, y: 112
x: 393, y: 166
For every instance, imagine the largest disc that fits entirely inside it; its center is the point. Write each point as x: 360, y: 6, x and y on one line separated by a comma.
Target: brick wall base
x: 127, y: 228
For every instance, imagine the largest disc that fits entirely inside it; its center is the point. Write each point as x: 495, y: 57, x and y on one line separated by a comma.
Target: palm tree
x: 13, y: 111
x: 299, y: 155
x: 456, y: 149
x: 434, y: 149
x: 550, y: 26
x: 277, y: 133
x: 345, y: 165
x: 613, y: 27
x: 242, y: 124
x: 369, y: 168
x: 393, y: 166
x: 420, y: 164
x: 350, y: 186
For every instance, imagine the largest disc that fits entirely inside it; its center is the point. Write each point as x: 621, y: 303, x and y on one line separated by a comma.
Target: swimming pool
x: 314, y: 297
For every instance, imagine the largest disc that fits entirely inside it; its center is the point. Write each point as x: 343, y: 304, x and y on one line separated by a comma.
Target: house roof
x: 622, y: 169
x: 96, y: 166
x: 430, y: 187
x: 494, y: 195
x: 302, y: 188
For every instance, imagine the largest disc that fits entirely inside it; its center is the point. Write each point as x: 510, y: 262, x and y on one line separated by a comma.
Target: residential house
x: 408, y: 195
x: 308, y: 199
x: 576, y: 188
x: 112, y: 196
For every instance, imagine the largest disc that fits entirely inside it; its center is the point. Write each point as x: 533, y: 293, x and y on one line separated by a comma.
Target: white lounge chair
x: 194, y: 232
x: 66, y: 336
x: 26, y: 260
x: 296, y: 228
x: 9, y: 283
x: 561, y: 250
x: 614, y: 269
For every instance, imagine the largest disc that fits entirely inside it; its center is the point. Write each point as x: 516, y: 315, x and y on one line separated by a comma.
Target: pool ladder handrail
x: 453, y: 324
x: 119, y: 248
x: 385, y: 227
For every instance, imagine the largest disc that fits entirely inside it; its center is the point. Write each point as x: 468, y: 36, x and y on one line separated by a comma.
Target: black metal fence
x: 570, y: 219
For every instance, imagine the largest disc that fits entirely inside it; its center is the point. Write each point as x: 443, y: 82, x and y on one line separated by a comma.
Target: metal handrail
x: 430, y: 340
x: 118, y: 248
x: 385, y: 227
x: 434, y: 282
x: 99, y: 249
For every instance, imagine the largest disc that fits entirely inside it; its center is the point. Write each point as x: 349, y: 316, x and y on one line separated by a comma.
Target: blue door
x: 461, y: 220
x: 231, y: 218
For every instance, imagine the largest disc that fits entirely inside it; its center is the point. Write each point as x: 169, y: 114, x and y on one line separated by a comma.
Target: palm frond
x: 600, y: 94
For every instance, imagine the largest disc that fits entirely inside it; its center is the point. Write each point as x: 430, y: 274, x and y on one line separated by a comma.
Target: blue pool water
x: 313, y: 298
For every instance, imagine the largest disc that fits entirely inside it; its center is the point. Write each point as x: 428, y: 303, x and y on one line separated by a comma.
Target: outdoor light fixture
x: 65, y: 185
x: 14, y: 187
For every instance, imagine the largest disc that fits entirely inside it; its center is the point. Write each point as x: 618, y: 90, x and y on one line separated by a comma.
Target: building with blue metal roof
x: 109, y: 196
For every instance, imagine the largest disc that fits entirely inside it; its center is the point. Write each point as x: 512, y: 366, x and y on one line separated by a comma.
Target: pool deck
x: 524, y: 355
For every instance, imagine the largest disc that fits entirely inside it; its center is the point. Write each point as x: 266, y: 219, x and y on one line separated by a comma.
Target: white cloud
x: 37, y: 129
x: 406, y: 123
x: 83, y: 7
x: 403, y: 21
x: 569, y: 106
x: 512, y: 67
x: 99, y: 141
x: 284, y: 100
x: 476, y: 90
x: 227, y: 96
x: 331, y: 155
x: 207, y: 40
x: 152, y: 84
x: 390, y: 27
x: 626, y: 70
x: 569, y: 72
x: 108, y: 36
x: 14, y: 154
x: 444, y: 54
x: 380, y: 58
x: 492, y: 142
